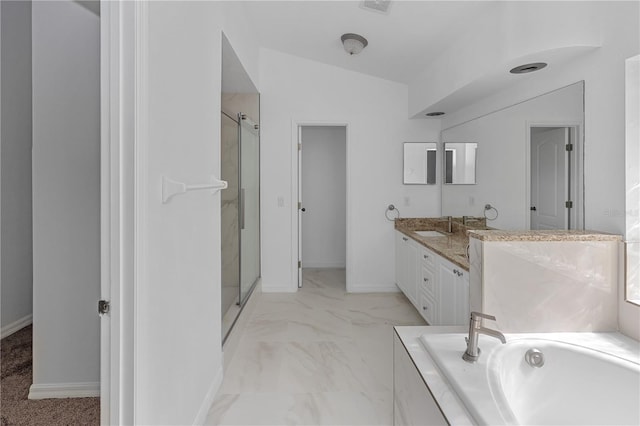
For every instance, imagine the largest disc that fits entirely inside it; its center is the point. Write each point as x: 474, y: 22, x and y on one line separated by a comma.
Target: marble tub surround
x: 542, y: 235
x: 452, y: 246
x: 450, y: 405
x: 546, y: 286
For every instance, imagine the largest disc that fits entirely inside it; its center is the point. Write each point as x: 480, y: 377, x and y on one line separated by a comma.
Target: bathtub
x: 586, y: 379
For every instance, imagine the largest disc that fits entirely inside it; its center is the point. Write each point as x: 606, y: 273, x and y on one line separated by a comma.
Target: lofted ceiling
x: 402, y: 42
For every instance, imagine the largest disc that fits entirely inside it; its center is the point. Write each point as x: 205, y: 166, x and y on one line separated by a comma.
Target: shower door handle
x: 242, y: 208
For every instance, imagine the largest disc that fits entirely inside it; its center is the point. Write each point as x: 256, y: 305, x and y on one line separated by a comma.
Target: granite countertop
x: 553, y: 235
x: 452, y: 246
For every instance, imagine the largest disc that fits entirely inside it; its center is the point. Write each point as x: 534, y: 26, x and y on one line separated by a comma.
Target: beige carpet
x: 16, y: 409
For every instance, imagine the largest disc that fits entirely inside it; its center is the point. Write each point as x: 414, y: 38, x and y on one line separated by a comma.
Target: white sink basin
x: 430, y: 233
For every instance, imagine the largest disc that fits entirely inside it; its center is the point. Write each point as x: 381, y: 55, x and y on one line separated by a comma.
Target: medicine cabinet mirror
x: 419, y: 163
x: 460, y: 163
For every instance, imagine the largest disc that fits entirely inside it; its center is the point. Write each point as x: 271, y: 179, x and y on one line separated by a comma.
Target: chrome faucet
x: 449, y: 220
x: 475, y: 329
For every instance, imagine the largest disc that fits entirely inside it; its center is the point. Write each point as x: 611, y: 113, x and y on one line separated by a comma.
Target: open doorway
x: 322, y: 203
x: 554, y: 178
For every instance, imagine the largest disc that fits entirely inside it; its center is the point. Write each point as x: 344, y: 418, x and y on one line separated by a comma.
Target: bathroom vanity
x: 432, y: 268
x: 553, y: 292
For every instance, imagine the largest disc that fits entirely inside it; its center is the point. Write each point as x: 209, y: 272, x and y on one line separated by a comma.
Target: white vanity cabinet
x: 437, y: 288
x: 454, y: 293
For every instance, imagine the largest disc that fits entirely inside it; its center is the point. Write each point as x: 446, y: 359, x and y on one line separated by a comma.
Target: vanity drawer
x: 428, y: 283
x: 428, y: 309
x: 427, y: 257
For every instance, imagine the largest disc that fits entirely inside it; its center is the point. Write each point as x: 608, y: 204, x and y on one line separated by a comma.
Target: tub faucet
x: 475, y: 329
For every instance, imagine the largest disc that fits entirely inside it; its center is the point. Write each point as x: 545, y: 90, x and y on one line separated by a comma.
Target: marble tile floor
x: 320, y: 356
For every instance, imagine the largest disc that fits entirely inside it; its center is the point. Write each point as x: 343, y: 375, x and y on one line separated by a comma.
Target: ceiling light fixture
x: 523, y: 69
x: 434, y: 114
x: 353, y: 43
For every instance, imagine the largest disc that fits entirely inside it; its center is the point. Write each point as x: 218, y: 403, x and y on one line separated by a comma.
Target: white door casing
x: 121, y: 28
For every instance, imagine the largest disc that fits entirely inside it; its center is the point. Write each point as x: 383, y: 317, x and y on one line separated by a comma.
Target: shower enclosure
x: 240, y: 214
x: 240, y: 206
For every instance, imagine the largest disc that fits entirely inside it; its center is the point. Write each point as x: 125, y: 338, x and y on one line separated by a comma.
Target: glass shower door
x: 249, y: 213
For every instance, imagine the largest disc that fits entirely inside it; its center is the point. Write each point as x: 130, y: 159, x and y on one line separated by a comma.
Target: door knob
x: 533, y: 209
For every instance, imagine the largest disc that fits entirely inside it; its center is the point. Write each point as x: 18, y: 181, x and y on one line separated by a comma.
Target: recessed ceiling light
x: 434, y: 114
x: 526, y: 68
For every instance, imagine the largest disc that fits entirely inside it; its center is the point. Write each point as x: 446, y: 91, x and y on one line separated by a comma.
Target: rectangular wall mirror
x: 507, y: 139
x: 419, y: 163
x: 460, y: 163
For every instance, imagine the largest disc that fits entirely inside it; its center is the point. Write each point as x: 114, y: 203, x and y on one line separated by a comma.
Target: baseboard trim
x: 201, y: 417
x: 279, y: 289
x: 18, y: 325
x: 64, y: 390
x: 323, y: 265
x: 373, y: 289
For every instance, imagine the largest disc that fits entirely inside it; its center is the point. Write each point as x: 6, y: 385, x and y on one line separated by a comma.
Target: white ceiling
x: 401, y: 43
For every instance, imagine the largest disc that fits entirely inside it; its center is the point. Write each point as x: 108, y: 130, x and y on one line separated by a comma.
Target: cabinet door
x: 462, y: 298
x: 401, y: 260
x: 407, y: 266
x: 446, y: 290
x: 453, y: 288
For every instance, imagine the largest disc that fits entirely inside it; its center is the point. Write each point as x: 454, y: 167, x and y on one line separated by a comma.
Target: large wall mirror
x: 529, y: 163
x: 460, y: 163
x: 419, y: 166
x: 632, y: 155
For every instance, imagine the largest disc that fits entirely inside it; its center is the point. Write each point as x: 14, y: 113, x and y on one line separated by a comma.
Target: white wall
x: 613, y: 25
x: 66, y: 198
x: 324, y: 196
x: 178, y: 319
x: 603, y: 73
x: 501, y: 157
x: 300, y: 90
x: 16, y: 246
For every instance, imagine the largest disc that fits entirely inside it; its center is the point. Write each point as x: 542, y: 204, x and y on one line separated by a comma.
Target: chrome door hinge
x: 299, y: 264
x: 299, y: 205
x: 569, y: 147
x: 299, y: 147
x: 104, y: 306
x: 568, y: 204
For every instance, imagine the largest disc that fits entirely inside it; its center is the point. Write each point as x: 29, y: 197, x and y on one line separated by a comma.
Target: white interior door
x: 549, y: 178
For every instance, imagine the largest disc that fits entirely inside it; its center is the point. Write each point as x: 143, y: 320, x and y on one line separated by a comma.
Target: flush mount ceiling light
x: 353, y: 43
x: 434, y: 114
x: 523, y: 69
